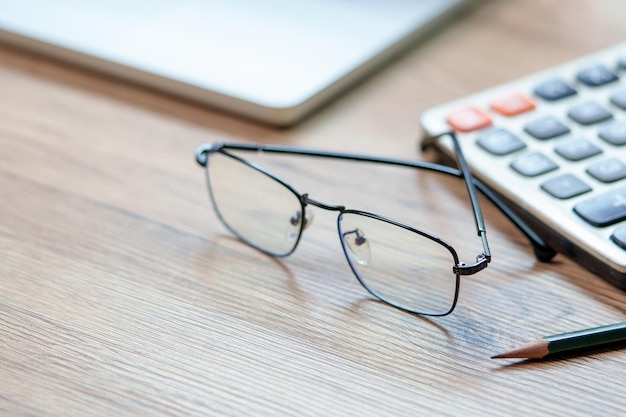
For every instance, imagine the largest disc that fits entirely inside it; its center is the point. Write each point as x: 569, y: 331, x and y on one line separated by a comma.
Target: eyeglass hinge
x: 202, y: 153
x: 469, y: 269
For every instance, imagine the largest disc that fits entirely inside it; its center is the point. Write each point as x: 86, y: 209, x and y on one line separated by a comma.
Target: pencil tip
x: 531, y: 350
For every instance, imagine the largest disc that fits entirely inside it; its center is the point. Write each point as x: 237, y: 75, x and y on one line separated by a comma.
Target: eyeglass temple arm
x: 485, y: 257
x: 542, y: 251
x: 471, y: 191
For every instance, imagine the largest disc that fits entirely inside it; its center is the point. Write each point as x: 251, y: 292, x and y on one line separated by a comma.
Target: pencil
x: 568, y: 342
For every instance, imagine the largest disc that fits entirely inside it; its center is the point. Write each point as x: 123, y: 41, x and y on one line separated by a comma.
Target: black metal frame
x: 542, y: 251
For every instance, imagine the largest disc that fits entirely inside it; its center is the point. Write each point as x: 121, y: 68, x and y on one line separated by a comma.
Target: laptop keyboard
x: 553, y: 145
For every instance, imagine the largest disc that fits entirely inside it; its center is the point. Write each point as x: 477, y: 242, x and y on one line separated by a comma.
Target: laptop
x: 274, y: 61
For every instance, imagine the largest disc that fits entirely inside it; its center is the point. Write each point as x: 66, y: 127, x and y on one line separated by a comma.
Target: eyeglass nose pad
x: 358, y: 245
x: 294, y: 224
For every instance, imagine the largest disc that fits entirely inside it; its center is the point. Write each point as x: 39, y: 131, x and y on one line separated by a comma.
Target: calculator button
x: 596, y: 76
x: 500, y: 142
x: 565, y: 186
x: 614, y: 132
x: 576, y: 148
x: 604, y: 209
x: 619, y: 99
x: 533, y: 164
x: 589, y: 113
x: 608, y: 170
x: 468, y: 119
x: 619, y: 236
x: 546, y: 127
x: 622, y: 62
x: 512, y: 104
x: 553, y: 90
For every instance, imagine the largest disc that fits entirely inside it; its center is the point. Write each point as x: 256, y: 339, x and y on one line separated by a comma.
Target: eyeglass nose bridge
x: 302, y: 219
x: 305, y: 199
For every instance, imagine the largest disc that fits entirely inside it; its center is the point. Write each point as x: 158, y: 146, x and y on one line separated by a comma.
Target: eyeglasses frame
x: 542, y: 251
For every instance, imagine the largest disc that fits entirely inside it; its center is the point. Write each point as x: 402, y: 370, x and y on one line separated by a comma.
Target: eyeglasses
x: 397, y: 263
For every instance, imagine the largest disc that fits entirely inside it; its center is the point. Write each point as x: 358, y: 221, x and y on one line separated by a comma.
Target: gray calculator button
x: 533, y: 164
x: 604, y: 209
x: 589, y: 113
x: 619, y: 99
x: 596, y: 76
x: 565, y: 186
x: 576, y: 148
x: 546, y: 127
x: 554, y: 89
x: 500, y: 142
x: 619, y: 236
x: 608, y: 170
x: 614, y: 132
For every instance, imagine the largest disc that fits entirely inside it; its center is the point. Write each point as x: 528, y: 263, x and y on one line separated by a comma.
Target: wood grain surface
x: 123, y: 295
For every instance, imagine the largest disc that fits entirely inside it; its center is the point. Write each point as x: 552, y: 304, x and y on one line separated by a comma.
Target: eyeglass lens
x: 260, y: 210
x: 393, y: 262
x: 399, y: 265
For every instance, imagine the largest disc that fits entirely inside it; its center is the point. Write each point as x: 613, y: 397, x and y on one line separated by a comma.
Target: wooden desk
x: 123, y: 295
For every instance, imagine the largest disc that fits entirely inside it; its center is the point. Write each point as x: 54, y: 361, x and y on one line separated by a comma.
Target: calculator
x: 552, y: 146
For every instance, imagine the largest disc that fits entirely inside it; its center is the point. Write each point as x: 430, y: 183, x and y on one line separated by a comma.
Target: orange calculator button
x: 512, y: 104
x: 468, y: 119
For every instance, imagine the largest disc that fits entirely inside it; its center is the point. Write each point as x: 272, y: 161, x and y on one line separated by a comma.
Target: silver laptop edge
x: 285, y: 113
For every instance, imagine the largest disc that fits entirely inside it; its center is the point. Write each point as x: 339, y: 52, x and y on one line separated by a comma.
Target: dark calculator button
x: 589, y: 113
x: 565, y: 186
x: 553, y: 90
x: 604, y: 209
x: 533, y: 164
x: 619, y: 236
x: 608, y: 170
x: 619, y: 99
x: 500, y: 142
x: 622, y: 62
x: 576, y: 148
x: 546, y: 127
x: 614, y: 132
x: 596, y: 76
